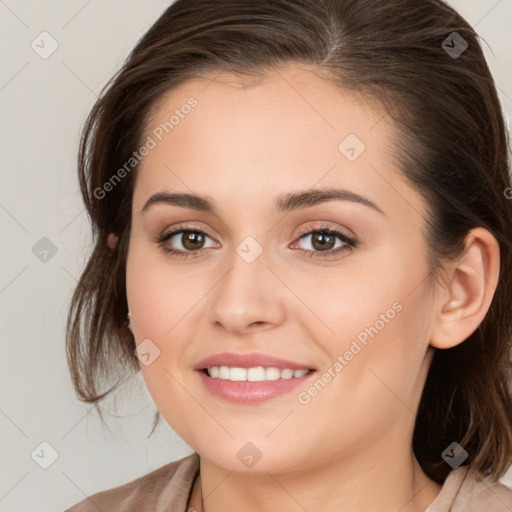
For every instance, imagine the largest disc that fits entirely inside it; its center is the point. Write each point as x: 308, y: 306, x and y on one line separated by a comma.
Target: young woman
x: 303, y: 239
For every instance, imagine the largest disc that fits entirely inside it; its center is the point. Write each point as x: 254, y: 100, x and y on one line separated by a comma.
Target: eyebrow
x: 286, y: 203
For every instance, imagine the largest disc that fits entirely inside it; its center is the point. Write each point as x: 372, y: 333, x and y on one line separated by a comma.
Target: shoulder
x: 478, y: 492
x: 162, y: 489
x: 486, y: 494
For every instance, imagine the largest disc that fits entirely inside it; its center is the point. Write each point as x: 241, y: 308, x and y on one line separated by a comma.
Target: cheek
x: 159, y: 298
x: 366, y: 301
x: 379, y: 320
x: 384, y: 357
x: 158, y: 304
x: 165, y: 307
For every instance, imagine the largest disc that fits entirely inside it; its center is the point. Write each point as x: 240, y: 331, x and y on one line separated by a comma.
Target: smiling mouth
x: 254, y: 374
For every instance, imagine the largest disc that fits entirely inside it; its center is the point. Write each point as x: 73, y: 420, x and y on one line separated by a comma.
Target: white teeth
x: 253, y: 374
x: 287, y: 374
x: 272, y: 373
x: 256, y: 374
x: 224, y: 372
x: 238, y: 374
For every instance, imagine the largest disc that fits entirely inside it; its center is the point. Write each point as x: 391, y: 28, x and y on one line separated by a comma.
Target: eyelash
x: 349, y: 242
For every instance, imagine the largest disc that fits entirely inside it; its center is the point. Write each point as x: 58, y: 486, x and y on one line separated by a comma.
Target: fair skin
x: 243, y: 146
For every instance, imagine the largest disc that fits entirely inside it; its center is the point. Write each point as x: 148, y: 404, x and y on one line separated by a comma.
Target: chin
x: 251, y: 458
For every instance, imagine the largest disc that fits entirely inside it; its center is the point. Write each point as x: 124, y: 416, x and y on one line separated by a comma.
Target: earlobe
x: 470, y: 288
x: 112, y: 241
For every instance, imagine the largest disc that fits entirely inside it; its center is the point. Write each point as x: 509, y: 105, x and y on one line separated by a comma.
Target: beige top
x: 168, y: 488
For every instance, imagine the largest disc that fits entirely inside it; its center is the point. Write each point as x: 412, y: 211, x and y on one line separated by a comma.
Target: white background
x: 43, y: 104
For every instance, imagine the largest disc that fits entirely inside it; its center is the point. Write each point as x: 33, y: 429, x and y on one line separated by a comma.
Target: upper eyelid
x: 180, y: 228
x: 306, y: 231
x: 325, y: 227
x: 348, y: 242
x: 302, y: 231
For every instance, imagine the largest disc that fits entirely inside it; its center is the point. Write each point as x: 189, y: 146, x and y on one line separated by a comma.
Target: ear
x: 471, y: 283
x: 128, y: 322
x: 112, y: 241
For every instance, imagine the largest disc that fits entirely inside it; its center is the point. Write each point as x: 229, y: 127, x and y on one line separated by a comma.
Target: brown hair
x: 452, y: 147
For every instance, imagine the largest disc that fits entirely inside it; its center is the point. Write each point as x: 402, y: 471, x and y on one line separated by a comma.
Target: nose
x: 248, y: 297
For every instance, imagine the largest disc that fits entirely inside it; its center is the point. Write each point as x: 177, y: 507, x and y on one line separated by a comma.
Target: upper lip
x: 250, y: 360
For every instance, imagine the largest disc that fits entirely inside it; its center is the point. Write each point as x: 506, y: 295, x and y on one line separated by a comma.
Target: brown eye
x: 323, y: 241
x: 326, y: 241
x: 184, y: 242
x: 192, y: 240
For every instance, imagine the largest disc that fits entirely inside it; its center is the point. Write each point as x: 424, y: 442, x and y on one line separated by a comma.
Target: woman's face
x: 356, y: 308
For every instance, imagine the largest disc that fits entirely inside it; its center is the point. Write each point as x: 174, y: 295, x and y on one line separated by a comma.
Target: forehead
x: 253, y: 136
x: 226, y: 101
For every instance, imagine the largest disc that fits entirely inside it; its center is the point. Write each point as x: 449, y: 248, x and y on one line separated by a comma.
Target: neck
x: 373, y: 483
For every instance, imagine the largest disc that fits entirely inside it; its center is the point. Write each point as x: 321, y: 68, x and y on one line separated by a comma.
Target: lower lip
x: 251, y: 392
